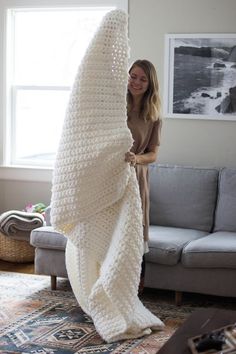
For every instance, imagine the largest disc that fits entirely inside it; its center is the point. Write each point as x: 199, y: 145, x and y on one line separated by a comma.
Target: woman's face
x: 138, y: 82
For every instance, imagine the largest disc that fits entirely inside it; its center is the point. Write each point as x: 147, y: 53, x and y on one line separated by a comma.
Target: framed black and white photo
x: 200, y: 76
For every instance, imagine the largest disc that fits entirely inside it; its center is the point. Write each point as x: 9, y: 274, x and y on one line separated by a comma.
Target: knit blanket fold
x: 95, y: 194
x: 18, y: 224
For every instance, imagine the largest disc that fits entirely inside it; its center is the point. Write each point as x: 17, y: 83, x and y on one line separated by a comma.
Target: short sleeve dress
x: 146, y: 135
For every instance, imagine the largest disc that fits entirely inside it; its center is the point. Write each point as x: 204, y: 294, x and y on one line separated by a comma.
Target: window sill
x: 20, y: 173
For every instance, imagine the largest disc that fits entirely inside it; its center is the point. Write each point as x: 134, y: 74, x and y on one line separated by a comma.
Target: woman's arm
x: 142, y: 159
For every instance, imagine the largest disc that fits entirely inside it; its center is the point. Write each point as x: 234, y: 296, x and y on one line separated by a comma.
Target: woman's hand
x: 142, y: 159
x: 131, y: 158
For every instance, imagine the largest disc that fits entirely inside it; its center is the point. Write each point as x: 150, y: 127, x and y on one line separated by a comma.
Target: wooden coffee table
x: 201, y: 321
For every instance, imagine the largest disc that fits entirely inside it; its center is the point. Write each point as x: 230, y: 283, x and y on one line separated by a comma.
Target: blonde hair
x: 151, y: 103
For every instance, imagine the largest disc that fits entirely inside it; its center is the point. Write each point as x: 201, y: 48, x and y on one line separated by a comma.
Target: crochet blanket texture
x: 95, y: 194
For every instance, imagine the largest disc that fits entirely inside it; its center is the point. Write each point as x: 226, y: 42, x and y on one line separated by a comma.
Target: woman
x: 144, y: 122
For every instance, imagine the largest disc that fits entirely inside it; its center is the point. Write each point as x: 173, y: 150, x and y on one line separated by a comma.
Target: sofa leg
x: 178, y: 298
x: 53, y: 282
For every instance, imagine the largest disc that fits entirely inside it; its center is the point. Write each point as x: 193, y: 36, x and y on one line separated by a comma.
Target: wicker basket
x: 15, y: 250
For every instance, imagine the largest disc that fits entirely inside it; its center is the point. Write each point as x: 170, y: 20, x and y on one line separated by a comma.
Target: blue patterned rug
x: 34, y: 319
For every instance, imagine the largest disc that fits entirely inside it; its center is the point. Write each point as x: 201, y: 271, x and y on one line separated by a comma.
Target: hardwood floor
x: 27, y: 268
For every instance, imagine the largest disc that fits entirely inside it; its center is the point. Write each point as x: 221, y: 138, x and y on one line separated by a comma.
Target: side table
x: 201, y: 321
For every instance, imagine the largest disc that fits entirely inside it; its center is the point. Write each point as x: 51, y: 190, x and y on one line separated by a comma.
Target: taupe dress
x: 146, y: 135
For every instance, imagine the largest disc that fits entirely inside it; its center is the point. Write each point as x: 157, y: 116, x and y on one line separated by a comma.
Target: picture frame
x: 200, y: 76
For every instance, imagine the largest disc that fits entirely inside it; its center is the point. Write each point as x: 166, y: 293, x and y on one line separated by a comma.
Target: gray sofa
x: 192, y: 233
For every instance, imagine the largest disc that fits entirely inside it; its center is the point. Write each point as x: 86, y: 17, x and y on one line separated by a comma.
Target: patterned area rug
x: 34, y: 319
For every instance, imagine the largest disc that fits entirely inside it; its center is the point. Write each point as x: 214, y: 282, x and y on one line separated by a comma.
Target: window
x: 44, y: 49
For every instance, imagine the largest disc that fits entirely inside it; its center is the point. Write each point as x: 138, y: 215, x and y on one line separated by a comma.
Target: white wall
x: 184, y: 141
x: 17, y: 194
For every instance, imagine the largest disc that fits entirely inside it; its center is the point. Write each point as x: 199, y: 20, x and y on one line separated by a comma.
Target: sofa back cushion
x: 47, y: 215
x: 225, y: 218
x: 183, y: 196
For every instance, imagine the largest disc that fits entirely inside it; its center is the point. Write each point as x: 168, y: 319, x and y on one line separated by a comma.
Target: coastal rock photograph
x: 202, y: 76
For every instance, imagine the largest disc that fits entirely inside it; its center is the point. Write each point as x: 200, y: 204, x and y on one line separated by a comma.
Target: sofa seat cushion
x: 47, y: 237
x: 216, y: 250
x: 166, y: 243
x: 225, y: 219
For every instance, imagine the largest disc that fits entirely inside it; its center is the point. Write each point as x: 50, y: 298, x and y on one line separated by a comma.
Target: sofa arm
x: 46, y: 237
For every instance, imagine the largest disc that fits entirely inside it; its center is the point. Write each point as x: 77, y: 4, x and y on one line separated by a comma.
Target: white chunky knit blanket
x: 95, y: 195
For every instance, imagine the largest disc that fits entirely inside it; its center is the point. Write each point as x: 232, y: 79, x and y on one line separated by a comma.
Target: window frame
x: 9, y: 170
